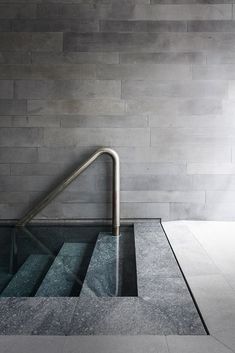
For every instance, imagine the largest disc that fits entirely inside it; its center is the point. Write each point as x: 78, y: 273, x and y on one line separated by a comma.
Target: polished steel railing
x: 59, y: 188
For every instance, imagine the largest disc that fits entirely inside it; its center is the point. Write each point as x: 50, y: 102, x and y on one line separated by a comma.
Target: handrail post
x: 63, y: 185
x: 116, y: 194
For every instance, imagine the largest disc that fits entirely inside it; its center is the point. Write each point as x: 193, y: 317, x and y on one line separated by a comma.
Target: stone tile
x: 36, y: 121
x: 145, y: 210
x: 163, y: 58
x: 18, y: 155
x: 191, y: 121
x: 22, y: 137
x: 10, y: 211
x: 13, y: 197
x: 4, y: 169
x: 213, y: 182
x: 153, y: 168
x: 145, y: 318
x: 48, y: 72
x: 59, y: 25
x: 26, y: 183
x: 163, y: 196
x: 17, y: 10
x: 208, y: 168
x: 211, y: 26
x: 143, y: 26
x: 216, y: 301
x: 5, y: 121
x: 143, y: 72
x: 105, y: 344
x: 62, y: 89
x: 100, y: 210
x: 152, y: 182
x: 43, y: 316
x: 192, y: 257
x: 179, y: 211
x: 104, y: 121
x: 75, y: 58
x: 191, y: 1
x: 195, y: 89
x: 177, y: 153
x: 148, y: 42
x: 31, y: 41
x: 225, y: 57
x: 85, y: 137
x: 5, y: 25
x: 64, y: 154
x: 25, y: 344
x: 214, y: 72
x: 161, y: 135
x: 10, y: 106
x: 176, y: 106
x: 36, y: 168
x: 72, y: 10
x: 20, y: 57
x: 195, y: 345
x: 183, y: 12
x: 214, y: 196
x: 226, y: 337
x: 81, y: 106
x: 6, y: 89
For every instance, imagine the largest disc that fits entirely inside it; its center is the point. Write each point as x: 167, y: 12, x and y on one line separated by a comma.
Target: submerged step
x: 4, y: 279
x: 102, y: 278
x: 67, y: 271
x: 25, y: 282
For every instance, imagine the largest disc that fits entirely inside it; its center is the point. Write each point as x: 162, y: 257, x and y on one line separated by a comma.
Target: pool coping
x: 107, y: 316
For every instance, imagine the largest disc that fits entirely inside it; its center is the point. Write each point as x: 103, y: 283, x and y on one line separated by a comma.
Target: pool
x: 73, y: 279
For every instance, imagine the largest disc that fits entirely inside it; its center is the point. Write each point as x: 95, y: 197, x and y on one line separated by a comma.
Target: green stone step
x: 29, y: 276
x: 67, y: 272
x: 103, y: 275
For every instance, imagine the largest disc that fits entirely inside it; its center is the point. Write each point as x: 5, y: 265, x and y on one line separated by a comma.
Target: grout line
x: 197, y: 240
x: 187, y: 284
x: 167, y: 345
x: 225, y: 345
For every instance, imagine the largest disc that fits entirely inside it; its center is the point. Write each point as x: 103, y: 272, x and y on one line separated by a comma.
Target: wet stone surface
x: 133, y: 286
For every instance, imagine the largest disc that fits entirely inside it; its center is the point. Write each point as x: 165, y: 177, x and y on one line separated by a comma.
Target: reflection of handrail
x: 58, y: 189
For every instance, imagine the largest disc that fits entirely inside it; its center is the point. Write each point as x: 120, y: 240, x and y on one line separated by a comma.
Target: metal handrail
x: 59, y: 188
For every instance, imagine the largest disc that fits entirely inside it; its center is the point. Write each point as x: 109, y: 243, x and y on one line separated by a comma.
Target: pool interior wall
x: 130, y: 284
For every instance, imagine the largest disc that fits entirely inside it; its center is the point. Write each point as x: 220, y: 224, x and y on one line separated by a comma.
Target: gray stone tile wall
x: 152, y: 78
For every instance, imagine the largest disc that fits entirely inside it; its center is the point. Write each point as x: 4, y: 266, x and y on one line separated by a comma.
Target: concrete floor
x: 206, y: 253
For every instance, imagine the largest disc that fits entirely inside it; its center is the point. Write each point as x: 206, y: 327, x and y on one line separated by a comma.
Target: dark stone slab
x: 133, y: 316
x: 36, y: 316
x: 153, y: 253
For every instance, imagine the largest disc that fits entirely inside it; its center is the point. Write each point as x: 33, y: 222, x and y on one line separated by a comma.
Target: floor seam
x: 193, y: 233
x: 221, y: 273
x: 167, y: 345
x: 223, y: 343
